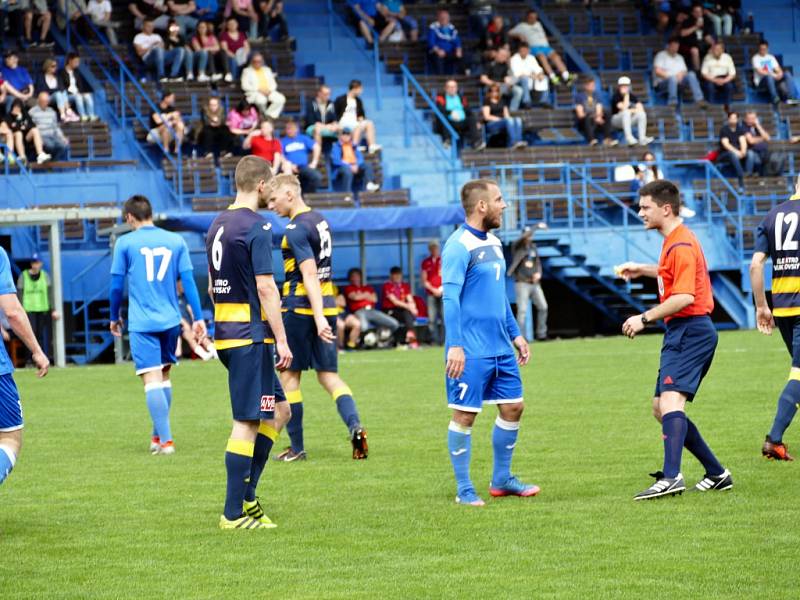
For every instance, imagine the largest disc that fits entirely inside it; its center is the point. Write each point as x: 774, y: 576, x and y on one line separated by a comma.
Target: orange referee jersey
x: 682, y: 269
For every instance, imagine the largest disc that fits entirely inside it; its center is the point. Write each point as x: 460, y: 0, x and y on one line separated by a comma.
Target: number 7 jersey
x: 777, y: 236
x: 307, y: 237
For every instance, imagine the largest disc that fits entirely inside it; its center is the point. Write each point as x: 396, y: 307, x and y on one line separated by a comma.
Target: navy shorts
x: 10, y: 407
x: 252, y: 382
x: 154, y: 350
x: 686, y: 355
x: 790, y: 332
x: 308, y: 350
x: 485, y: 381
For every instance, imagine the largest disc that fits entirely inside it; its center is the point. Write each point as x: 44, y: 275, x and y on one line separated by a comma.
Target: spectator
x: 590, y: 114
x: 453, y: 106
x: 13, y: 12
x: 24, y: 131
x: 529, y: 75
x: 431, y: 277
x: 48, y: 81
x: 76, y: 12
x: 211, y: 61
x: 149, y: 47
x: 526, y: 269
x: 757, y: 140
x: 645, y: 172
x: 495, y: 37
x: 320, y: 116
x: 480, y: 15
x: 100, y: 13
x: 694, y: 34
x: 346, y: 324
x: 245, y: 14
x: 182, y: 13
x: 395, y: 13
x: 398, y: 303
x: 498, y: 119
x: 272, y: 23
x: 236, y: 48
x: 174, y: 40
x: 370, y: 19
x: 361, y: 302
x: 718, y: 74
x: 207, y: 11
x: 261, y: 89
x: 243, y: 119
x: 76, y: 90
x: 531, y: 31
x: 45, y: 118
x: 36, y: 295
x: 19, y: 85
x: 37, y: 10
x: 444, y: 45
x: 215, y: 137
x: 498, y: 72
x: 733, y: 147
x: 152, y: 10
x: 166, y: 125
x: 7, y: 138
x: 350, y: 170
x: 670, y: 75
x: 296, y: 147
x: 262, y: 143
x: 350, y: 113
x: 769, y: 77
x: 720, y: 17
x: 627, y: 110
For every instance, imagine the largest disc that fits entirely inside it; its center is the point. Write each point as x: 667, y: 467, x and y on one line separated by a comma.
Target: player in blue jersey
x: 777, y: 238
x: 248, y: 332
x: 309, y: 315
x: 480, y: 337
x: 152, y: 259
x: 11, y: 423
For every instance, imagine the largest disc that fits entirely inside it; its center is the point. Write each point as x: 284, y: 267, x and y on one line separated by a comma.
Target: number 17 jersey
x: 777, y: 236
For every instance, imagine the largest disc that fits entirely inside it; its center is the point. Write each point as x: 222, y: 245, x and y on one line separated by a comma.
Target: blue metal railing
x: 82, y: 307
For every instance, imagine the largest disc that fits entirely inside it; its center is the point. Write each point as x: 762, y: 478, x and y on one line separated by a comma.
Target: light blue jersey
x: 152, y: 259
x: 477, y: 314
x: 6, y: 287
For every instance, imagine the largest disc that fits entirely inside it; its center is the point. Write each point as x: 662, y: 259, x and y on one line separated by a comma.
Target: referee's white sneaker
x: 664, y: 486
x: 718, y: 483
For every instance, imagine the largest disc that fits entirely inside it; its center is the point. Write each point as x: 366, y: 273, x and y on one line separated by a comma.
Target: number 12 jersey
x: 777, y: 236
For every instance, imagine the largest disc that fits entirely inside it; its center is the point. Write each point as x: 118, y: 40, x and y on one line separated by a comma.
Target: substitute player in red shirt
x: 431, y: 276
x: 398, y: 302
x: 684, y: 288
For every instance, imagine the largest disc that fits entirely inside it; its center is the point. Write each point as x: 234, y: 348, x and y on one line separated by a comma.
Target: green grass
x: 89, y: 513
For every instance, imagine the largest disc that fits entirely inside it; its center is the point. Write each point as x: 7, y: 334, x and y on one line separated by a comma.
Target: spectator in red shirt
x: 398, y: 302
x: 346, y: 323
x: 431, y: 275
x: 361, y: 301
x: 262, y: 143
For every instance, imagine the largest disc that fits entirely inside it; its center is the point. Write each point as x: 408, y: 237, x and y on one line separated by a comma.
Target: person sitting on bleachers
x: 350, y: 113
x: 395, y: 13
x: 645, y: 172
x: 362, y: 301
x: 494, y: 38
x: 261, y: 88
x: 453, y: 106
x: 236, y: 48
x: 498, y: 119
x: 444, y: 45
x: 25, y: 132
x: 733, y: 147
x: 48, y: 81
x: 215, y: 138
x: 76, y: 89
x: 245, y: 14
x: 719, y: 73
x: 670, y: 75
x: 296, y: 147
x: 243, y: 119
x: 7, y: 138
x: 153, y: 10
x: 531, y: 31
x: 166, y: 125
x: 350, y: 170
x: 211, y: 62
x: 529, y: 75
x: 369, y: 18
x: 100, y: 13
x: 38, y: 11
x: 695, y: 35
x: 319, y: 118
x: 45, y: 118
x: 399, y: 303
x: 769, y: 77
x: 182, y: 12
x: 19, y: 84
x: 625, y: 110
x: 757, y: 141
x: 263, y: 143
x: 174, y: 40
x: 149, y: 48
x: 208, y: 11
x: 498, y: 72
x: 77, y: 14
x: 720, y: 13
x: 272, y: 23
x: 590, y: 114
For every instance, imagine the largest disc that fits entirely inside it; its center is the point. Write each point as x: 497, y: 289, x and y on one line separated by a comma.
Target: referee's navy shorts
x: 686, y: 355
x: 254, y: 386
x: 790, y: 332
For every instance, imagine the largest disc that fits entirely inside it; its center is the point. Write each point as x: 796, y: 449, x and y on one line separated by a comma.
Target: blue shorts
x: 252, y: 382
x: 308, y: 350
x: 485, y: 381
x: 546, y: 50
x: 10, y: 407
x: 154, y: 350
x: 790, y: 332
x: 686, y: 355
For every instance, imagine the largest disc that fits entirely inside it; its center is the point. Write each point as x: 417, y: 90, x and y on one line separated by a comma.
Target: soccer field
x: 89, y: 513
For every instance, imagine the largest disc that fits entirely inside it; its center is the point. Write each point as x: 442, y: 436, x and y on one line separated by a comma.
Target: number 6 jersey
x: 777, y: 237
x: 307, y: 237
x: 239, y: 247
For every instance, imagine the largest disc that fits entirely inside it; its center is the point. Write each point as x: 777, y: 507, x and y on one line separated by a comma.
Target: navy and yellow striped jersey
x: 239, y: 247
x: 307, y: 237
x: 779, y: 238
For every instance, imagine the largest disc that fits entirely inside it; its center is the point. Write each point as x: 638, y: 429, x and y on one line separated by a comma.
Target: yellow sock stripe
x: 342, y: 391
x: 294, y: 396
x: 794, y: 375
x: 268, y: 430
x: 242, y: 447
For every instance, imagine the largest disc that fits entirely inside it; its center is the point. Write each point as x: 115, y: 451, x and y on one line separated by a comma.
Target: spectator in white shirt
x: 149, y: 48
x: 718, y: 72
x: 261, y: 88
x: 529, y: 75
x: 531, y: 31
x: 670, y: 74
x: 768, y: 76
x: 100, y: 12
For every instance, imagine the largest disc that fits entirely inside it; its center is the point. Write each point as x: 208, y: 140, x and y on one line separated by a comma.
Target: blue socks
x: 459, y: 443
x: 347, y: 407
x: 673, y: 426
x: 7, y: 461
x: 159, y: 410
x: 695, y: 444
x: 787, y: 407
x: 238, y: 460
x: 264, y: 440
x: 504, y: 438
x: 167, y: 387
x: 295, y: 425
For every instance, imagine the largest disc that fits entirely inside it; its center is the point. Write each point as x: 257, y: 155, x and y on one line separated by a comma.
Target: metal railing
x: 411, y: 90
x: 77, y: 286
